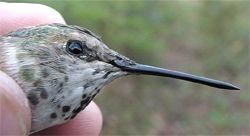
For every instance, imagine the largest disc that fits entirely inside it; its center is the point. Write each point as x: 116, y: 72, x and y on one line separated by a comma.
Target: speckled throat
x: 58, y: 84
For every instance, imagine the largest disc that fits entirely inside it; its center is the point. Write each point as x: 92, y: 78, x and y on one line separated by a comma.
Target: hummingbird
x: 61, y: 68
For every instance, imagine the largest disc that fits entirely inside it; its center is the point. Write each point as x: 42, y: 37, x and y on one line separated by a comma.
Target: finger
x: 87, y: 122
x: 14, y: 109
x: 18, y: 15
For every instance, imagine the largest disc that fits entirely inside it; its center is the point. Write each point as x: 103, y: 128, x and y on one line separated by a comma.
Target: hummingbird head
x: 85, y: 48
x: 81, y: 56
x: 61, y: 68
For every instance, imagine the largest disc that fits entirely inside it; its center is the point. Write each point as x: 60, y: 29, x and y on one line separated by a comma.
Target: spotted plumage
x: 50, y: 75
x: 61, y: 68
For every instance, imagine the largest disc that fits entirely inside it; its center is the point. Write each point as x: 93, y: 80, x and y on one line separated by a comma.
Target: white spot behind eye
x: 82, y: 57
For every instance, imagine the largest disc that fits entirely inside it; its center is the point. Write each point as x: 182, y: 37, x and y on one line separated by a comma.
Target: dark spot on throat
x: 37, y: 83
x: 44, y: 73
x: 66, y: 78
x: 33, y: 98
x: 53, y: 115
x: 106, y: 75
x: 84, y: 96
x: 65, y: 108
x: 43, y: 93
x: 61, y: 85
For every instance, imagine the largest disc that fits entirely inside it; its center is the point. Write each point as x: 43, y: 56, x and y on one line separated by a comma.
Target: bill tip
x: 232, y: 87
x: 236, y: 88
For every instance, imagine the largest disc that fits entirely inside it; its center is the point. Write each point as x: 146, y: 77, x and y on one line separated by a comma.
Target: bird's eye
x: 74, y: 47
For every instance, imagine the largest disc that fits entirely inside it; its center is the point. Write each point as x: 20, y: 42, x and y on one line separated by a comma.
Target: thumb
x: 15, y: 118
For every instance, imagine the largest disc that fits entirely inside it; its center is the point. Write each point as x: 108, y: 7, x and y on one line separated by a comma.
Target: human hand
x: 15, y: 114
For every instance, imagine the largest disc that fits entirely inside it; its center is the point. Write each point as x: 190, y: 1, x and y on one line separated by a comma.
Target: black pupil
x: 75, y: 47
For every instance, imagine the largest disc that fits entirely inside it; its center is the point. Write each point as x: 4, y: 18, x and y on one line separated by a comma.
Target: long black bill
x: 150, y: 70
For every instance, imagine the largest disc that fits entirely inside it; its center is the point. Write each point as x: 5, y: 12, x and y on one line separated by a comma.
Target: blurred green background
x: 208, y: 38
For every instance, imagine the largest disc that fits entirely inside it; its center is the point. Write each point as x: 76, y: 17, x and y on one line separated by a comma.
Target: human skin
x: 15, y: 117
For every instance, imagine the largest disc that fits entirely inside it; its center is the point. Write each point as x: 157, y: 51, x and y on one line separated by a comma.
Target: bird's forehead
x: 77, y: 29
